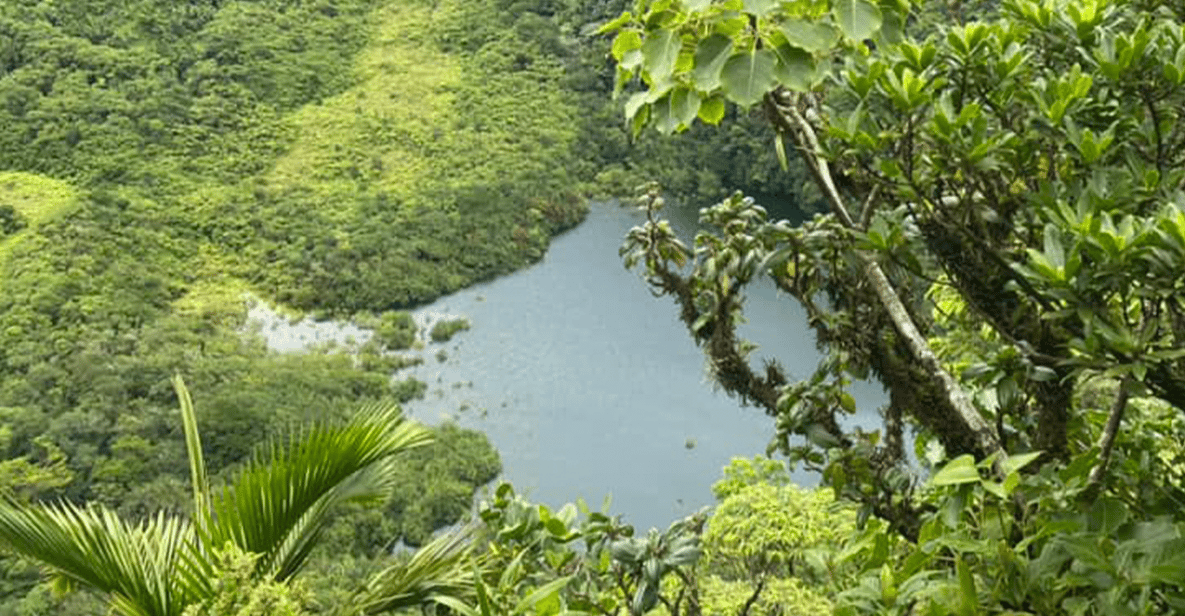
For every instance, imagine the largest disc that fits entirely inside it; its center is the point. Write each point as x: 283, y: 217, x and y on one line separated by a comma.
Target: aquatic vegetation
x: 444, y: 329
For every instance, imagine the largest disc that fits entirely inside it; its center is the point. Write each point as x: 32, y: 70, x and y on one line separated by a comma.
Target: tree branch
x: 790, y: 120
x: 867, y: 209
x: 752, y: 598
x: 1107, y: 439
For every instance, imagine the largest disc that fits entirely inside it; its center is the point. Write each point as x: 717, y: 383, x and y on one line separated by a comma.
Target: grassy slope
x: 387, y: 127
x: 433, y: 171
x: 38, y: 198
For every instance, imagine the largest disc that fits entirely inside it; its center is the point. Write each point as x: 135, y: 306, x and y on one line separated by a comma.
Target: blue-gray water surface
x: 590, y: 386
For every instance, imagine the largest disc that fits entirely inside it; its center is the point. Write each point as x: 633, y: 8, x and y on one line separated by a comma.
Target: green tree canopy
x: 1004, y: 231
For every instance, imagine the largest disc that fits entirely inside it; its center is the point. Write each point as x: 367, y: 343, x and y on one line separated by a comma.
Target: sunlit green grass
x: 384, y: 133
x: 37, y: 198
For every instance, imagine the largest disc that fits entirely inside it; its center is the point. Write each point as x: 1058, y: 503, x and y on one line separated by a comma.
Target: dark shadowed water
x: 588, y: 385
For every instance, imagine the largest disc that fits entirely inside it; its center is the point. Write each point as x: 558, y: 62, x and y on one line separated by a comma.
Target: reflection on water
x: 588, y: 385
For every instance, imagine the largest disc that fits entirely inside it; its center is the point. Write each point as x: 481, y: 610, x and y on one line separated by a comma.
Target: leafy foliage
x: 11, y: 220
x: 744, y: 472
x: 445, y: 329
x: 1071, y: 560
x: 767, y: 548
x: 783, y: 531
x: 533, y: 562
x: 786, y: 596
x: 235, y: 592
x: 1003, y: 188
x: 266, y: 521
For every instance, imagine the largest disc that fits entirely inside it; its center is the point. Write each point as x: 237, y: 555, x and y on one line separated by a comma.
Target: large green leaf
x: 968, y: 596
x: 626, y: 41
x: 795, y: 68
x: 892, y: 29
x: 859, y: 19
x: 280, y: 502
x: 809, y: 35
x: 1018, y: 461
x: 193, y: 445
x: 636, y: 101
x: 541, y: 593
x: 660, y: 50
x: 748, y: 76
x: 664, y: 121
x: 711, y: 110
x: 710, y: 55
x: 137, y: 568
x: 960, y: 470
x: 1106, y: 515
x: 615, y: 23
x: 760, y: 7
x: 684, y: 106
x: 441, y: 572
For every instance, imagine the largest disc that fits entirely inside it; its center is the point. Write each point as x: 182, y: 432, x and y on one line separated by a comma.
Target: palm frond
x: 92, y: 547
x: 442, y: 571
x: 279, y: 503
x: 193, y: 445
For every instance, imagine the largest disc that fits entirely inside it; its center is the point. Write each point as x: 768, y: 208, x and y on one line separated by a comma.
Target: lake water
x: 587, y: 384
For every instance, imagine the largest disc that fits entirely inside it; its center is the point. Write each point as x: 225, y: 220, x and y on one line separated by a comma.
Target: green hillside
x: 162, y: 160
x: 32, y: 200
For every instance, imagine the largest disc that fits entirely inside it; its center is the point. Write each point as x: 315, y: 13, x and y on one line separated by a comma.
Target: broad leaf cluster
x: 1005, y: 188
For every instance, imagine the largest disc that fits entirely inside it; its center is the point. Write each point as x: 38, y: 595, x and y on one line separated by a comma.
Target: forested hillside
x: 160, y: 160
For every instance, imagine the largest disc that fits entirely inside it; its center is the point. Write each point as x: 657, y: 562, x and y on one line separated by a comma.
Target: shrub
x: 396, y: 330
x: 785, y: 596
x: 445, y: 329
x: 743, y: 472
x: 775, y: 530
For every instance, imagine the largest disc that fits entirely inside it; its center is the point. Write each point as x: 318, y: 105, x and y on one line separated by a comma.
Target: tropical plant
x: 237, y: 592
x: 1005, y: 233
x: 770, y: 546
x: 740, y: 473
x: 776, y: 531
x: 578, y: 561
x: 271, y: 513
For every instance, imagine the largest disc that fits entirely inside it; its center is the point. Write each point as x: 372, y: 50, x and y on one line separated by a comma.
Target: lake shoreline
x: 588, y: 386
